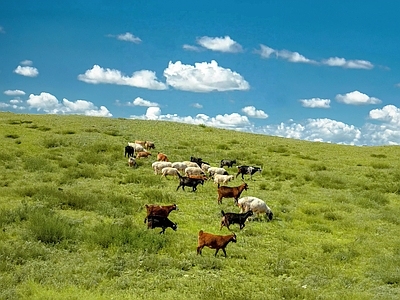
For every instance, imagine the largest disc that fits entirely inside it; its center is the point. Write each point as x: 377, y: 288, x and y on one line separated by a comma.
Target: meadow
x: 72, y: 212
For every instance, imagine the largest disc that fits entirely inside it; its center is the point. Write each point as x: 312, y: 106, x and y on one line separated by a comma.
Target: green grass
x: 72, y: 212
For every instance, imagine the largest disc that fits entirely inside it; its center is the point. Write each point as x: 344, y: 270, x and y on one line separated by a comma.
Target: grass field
x: 72, y: 211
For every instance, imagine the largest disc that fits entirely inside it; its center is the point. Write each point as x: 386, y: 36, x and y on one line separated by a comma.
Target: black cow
x: 163, y: 222
x: 249, y: 170
x: 187, y: 181
x: 227, y: 162
x: 130, y: 151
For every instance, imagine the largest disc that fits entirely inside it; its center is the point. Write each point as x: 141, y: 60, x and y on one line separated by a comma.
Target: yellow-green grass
x: 72, y: 212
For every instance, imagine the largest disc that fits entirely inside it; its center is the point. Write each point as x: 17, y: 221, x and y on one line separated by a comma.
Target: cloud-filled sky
x: 311, y: 70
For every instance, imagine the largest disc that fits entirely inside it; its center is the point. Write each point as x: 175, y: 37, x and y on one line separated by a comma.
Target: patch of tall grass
x: 50, y: 228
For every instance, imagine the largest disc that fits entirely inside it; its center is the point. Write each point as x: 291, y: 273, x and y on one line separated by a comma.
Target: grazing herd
x: 192, y: 174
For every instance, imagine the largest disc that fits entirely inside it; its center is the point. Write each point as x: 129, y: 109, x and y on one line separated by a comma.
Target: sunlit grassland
x: 72, y: 212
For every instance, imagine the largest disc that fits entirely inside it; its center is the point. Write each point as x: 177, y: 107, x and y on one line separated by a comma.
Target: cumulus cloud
x: 26, y: 71
x: 141, y: 102
x: 14, y: 93
x: 16, y: 104
x: 49, y: 103
x: 348, y: 64
x: 221, y: 44
x: 389, y: 114
x: 295, y: 57
x: 357, y: 98
x: 2, y: 29
x: 229, y: 121
x: 315, y: 103
x: 153, y: 113
x: 317, y: 130
x: 203, y: 77
x: 141, y: 79
x: 252, y: 112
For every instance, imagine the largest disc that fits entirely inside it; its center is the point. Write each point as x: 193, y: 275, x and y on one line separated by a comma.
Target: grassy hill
x: 72, y: 211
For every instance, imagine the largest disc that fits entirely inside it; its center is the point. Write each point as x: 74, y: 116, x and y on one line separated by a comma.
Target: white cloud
x: 389, y: 114
x: 315, y: 103
x: 16, y: 101
x: 14, y: 104
x: 2, y: 29
x: 252, y: 112
x: 129, y: 37
x: 27, y: 71
x: 383, y: 134
x: 229, y: 121
x: 141, y: 79
x: 295, y: 57
x: 14, y: 93
x: 222, y: 44
x: 318, y: 130
x: 153, y: 113
x: 265, y: 51
x: 141, y: 102
x: 348, y: 64
x: 203, y: 77
x: 48, y: 103
x: 26, y: 62
x: 44, y: 101
x: 197, y: 105
x: 397, y: 85
x: 191, y: 48
x: 357, y: 98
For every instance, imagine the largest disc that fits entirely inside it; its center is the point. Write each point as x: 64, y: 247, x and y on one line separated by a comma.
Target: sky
x: 323, y: 71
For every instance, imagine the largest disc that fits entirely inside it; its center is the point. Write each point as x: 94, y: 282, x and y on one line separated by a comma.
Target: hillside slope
x: 72, y: 211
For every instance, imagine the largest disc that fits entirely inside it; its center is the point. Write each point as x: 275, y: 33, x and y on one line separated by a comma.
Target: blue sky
x: 314, y: 70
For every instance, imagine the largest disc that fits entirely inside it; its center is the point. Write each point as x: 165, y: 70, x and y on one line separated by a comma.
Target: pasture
x: 72, y: 215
